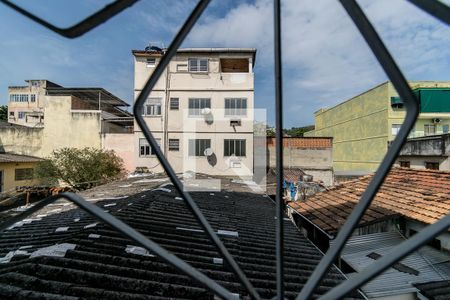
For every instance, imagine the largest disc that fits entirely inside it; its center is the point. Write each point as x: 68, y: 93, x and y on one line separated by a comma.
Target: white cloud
x: 325, y: 57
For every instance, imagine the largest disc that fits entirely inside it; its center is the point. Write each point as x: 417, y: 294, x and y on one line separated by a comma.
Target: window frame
x: 199, y: 108
x: 21, y: 115
x: 395, y: 129
x: 153, y: 107
x: 432, y: 165
x: 198, y: 65
x: 172, y: 101
x: 27, y: 174
x: 195, y: 147
x: 426, y: 129
x: 227, y: 152
x: 174, y: 147
x: 235, y: 109
x: 148, y: 64
x: 145, y: 148
x: 405, y: 164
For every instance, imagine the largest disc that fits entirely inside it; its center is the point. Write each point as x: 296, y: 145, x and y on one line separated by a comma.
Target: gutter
x: 330, y: 237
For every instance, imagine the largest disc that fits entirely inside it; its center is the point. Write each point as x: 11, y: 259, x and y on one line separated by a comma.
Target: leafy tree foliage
x: 80, y: 168
x: 298, y: 131
x: 3, y: 112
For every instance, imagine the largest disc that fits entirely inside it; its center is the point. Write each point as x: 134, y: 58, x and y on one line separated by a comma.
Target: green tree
x: 80, y: 168
x: 298, y: 131
x: 3, y: 112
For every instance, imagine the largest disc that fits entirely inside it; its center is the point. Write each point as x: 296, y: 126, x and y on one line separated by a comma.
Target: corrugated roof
x: 430, y: 263
x: 436, y: 290
x: 10, y: 157
x: 421, y: 195
x: 103, y: 264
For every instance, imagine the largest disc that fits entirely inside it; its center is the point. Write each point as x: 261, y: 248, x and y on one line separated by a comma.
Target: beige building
x: 16, y: 170
x: 362, y: 126
x: 43, y: 116
x: 200, y: 111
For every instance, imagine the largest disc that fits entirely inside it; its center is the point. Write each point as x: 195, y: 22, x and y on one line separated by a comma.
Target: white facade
x: 204, y: 99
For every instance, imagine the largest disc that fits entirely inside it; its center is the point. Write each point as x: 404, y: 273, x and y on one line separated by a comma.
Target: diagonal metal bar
x: 130, y: 233
x: 279, y: 148
x: 138, y: 109
x: 82, y: 27
x: 399, y: 252
x: 435, y: 8
x: 411, y: 103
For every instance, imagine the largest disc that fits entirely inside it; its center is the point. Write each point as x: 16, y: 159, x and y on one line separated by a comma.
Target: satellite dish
x: 206, y: 111
x: 208, y: 152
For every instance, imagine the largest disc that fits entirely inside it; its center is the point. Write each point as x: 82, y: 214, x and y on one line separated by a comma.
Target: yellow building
x: 16, y: 170
x: 362, y: 126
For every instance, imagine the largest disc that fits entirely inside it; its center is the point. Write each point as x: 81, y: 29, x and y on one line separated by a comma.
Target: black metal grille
x: 435, y: 8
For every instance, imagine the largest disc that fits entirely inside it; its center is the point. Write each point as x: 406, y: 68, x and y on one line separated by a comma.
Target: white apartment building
x: 200, y: 111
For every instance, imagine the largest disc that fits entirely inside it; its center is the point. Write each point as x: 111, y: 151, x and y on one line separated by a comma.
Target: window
x: 11, y: 114
x: 18, y: 98
x: 445, y: 129
x: 197, y: 147
x: 234, y: 147
x: 21, y: 115
x: 235, y: 107
x: 151, y: 62
x: 174, y: 145
x: 430, y: 129
x: 432, y: 165
x: 395, y: 128
x: 24, y: 174
x: 145, y: 149
x: 198, y: 65
x: 153, y: 107
x: 197, y: 104
x: 405, y: 164
x: 33, y: 98
x: 174, y: 103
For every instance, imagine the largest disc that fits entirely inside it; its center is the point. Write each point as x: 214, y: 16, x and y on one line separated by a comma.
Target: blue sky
x: 325, y: 59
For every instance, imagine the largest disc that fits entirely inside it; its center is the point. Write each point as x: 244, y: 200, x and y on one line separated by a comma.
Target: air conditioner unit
x: 208, y: 152
x: 205, y: 111
x: 235, y: 123
x: 436, y: 120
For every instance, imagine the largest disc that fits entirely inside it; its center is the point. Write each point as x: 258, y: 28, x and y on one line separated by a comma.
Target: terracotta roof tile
x: 421, y: 195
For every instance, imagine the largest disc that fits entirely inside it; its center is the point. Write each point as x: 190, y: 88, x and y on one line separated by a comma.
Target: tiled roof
x: 424, y: 265
x: 303, y: 142
x: 97, y: 262
x: 420, y: 195
x: 436, y: 290
x: 10, y: 157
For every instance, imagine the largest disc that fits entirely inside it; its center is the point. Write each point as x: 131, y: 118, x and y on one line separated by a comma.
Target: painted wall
x: 177, y: 82
x: 63, y: 128
x: 362, y: 126
x: 9, y: 183
x: 123, y: 145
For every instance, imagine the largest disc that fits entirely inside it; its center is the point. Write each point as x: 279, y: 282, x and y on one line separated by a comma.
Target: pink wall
x: 123, y: 145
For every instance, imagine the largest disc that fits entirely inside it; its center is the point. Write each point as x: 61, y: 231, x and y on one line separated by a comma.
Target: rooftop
x: 16, y: 158
x: 425, y: 265
x: 70, y: 254
x: 420, y: 195
x: 93, y: 93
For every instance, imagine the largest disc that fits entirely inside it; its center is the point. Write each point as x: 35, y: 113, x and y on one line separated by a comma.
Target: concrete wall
x: 63, y: 128
x: 9, y: 183
x: 123, y: 146
x: 177, y: 82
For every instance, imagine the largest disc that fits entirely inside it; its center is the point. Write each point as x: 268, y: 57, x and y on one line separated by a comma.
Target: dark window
x: 430, y: 129
x: 11, y: 114
x: 197, y: 104
x: 145, y: 149
x: 21, y: 115
x: 198, y: 65
x: 197, y: 147
x: 234, y: 147
x: 153, y: 107
x: 174, y: 103
x: 432, y: 165
x: 235, y: 107
x: 33, y: 98
x: 24, y: 174
x: 174, y: 145
x: 405, y: 164
x: 151, y: 62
